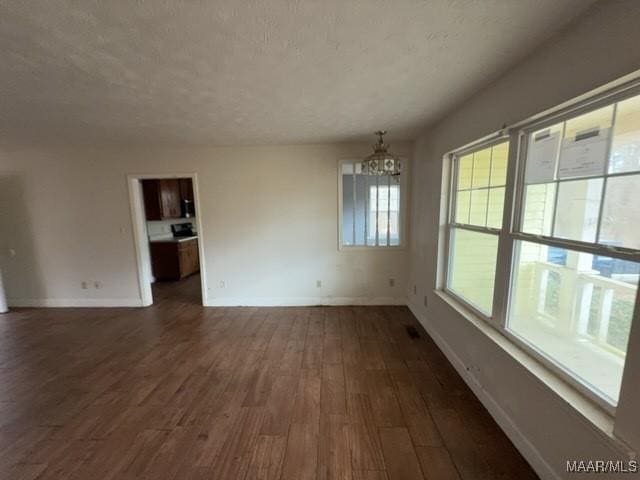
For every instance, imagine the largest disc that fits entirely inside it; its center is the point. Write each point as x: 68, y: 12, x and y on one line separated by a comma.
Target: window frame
x: 489, y: 142
x: 510, y: 233
x: 404, y: 193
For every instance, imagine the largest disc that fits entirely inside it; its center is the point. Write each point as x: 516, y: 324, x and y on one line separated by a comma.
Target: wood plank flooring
x: 178, y: 391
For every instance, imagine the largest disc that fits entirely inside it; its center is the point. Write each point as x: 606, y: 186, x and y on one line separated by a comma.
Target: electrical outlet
x: 223, y: 284
x: 392, y: 282
x: 12, y: 252
x: 415, y: 290
x: 425, y: 301
x: 318, y: 283
x: 84, y: 285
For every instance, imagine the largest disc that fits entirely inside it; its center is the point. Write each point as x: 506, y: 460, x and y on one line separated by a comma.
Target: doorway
x: 166, y: 219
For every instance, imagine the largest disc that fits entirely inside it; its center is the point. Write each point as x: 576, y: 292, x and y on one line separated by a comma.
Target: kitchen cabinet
x: 174, y: 260
x: 162, y: 198
x: 186, y: 189
x: 189, y: 258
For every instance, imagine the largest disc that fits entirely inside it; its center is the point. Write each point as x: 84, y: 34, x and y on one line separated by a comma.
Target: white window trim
x: 509, y: 234
x: 404, y: 195
x: 450, y: 223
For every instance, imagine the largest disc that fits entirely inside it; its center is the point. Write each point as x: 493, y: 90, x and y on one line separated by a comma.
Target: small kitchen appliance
x: 183, y: 229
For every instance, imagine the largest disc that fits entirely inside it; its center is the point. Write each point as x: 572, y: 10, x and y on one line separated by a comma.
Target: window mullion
x: 451, y: 205
x: 517, y: 218
x: 486, y: 207
x: 505, y: 241
x: 377, y: 209
x: 473, y: 165
x: 606, y: 171
x: 388, y: 210
x: 476, y: 228
x: 453, y: 194
x: 355, y: 203
x: 367, y: 194
x: 556, y: 181
x: 627, y: 254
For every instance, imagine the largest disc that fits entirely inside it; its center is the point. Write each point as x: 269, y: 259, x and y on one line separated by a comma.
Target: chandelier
x: 381, y: 162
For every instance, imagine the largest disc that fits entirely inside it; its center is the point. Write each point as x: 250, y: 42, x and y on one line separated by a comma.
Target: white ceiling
x: 253, y: 72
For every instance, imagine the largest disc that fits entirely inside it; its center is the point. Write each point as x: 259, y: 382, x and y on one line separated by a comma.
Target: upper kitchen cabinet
x: 186, y: 189
x: 162, y: 198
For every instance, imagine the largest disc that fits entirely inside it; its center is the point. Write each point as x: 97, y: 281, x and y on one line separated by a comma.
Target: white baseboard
x: 301, y: 301
x: 215, y: 302
x: 506, y: 423
x: 75, y: 302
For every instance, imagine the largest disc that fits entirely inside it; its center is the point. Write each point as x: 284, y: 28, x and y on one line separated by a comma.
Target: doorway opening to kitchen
x: 167, y: 231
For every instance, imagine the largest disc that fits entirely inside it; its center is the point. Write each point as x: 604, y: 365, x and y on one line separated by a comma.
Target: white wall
x: 269, y: 217
x: 598, y: 48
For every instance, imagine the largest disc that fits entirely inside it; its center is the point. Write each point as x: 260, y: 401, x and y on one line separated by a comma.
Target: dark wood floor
x: 178, y: 391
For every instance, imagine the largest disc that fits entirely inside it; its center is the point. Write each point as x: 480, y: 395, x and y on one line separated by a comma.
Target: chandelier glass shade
x: 381, y: 162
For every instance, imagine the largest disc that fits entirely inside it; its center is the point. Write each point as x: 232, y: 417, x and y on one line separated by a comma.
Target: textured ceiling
x: 252, y: 72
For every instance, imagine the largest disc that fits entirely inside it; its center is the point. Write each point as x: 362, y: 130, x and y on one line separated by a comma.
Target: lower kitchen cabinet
x: 173, y: 260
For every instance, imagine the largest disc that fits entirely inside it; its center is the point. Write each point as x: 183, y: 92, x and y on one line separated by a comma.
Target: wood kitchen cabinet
x: 162, y: 198
x: 189, y: 257
x: 172, y: 260
x: 186, y: 189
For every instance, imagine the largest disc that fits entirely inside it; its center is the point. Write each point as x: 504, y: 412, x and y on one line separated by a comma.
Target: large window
x: 371, y: 208
x: 566, y: 266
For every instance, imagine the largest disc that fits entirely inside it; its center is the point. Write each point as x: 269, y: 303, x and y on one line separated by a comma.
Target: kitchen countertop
x: 173, y: 239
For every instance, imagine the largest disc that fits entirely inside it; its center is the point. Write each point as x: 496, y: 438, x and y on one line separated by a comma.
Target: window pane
x: 578, y: 208
x: 499, y: 157
x: 472, y: 268
x: 361, y: 212
x: 478, y: 210
x: 353, y: 204
x: 598, y: 119
x: 383, y: 209
x: 625, y: 150
x: 463, y: 203
x: 465, y: 168
x: 495, y: 208
x: 372, y: 220
x: 388, y: 212
x: 538, y: 208
x: 481, y: 168
x: 383, y: 205
x: 620, y: 225
x: 394, y: 214
x: 586, y: 144
x: 348, y: 206
x: 542, y: 154
x: 577, y: 311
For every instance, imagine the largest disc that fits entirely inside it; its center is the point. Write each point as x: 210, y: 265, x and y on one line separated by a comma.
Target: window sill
x: 362, y: 248
x: 576, y: 402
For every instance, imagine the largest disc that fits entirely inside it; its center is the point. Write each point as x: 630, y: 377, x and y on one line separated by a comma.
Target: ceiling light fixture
x: 381, y: 162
